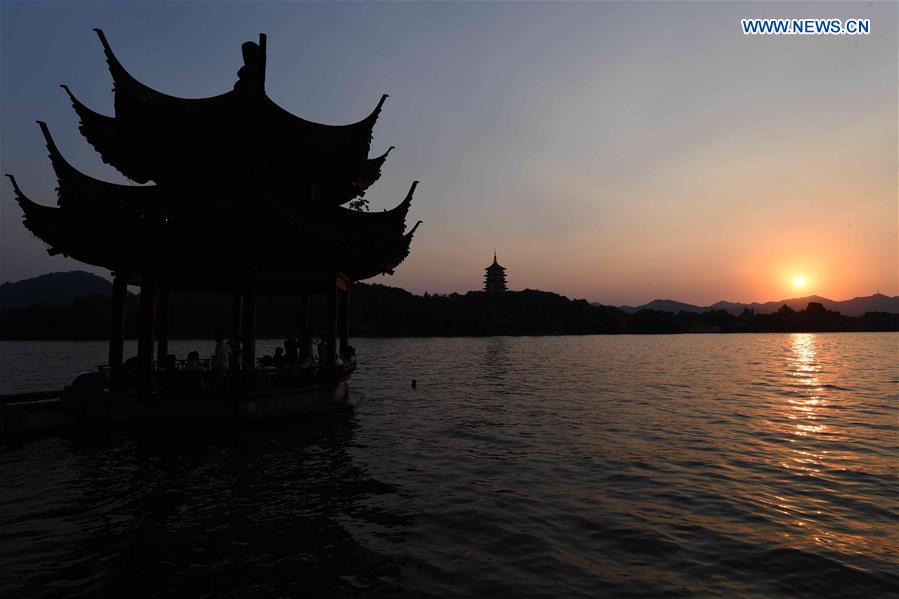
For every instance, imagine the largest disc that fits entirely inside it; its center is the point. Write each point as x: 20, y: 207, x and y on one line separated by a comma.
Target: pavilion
x: 236, y: 196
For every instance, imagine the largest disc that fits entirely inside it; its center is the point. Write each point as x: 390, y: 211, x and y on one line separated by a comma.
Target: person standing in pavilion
x: 221, y: 359
x: 290, y: 349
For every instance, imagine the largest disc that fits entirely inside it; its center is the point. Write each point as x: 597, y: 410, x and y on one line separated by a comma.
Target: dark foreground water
x: 713, y: 465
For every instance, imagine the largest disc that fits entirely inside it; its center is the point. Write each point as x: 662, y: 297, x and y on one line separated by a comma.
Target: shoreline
x: 622, y: 334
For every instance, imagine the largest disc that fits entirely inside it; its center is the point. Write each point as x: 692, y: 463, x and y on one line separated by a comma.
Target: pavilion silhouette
x: 241, y: 197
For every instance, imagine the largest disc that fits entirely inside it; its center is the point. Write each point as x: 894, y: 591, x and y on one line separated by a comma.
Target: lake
x: 631, y: 466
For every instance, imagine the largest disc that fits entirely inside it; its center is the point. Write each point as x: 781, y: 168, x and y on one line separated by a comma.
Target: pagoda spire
x: 495, y: 277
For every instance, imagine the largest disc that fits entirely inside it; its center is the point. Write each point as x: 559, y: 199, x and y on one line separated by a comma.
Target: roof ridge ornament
x: 251, y: 76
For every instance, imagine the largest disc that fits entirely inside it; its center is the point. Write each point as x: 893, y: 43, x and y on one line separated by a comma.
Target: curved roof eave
x: 71, y: 180
x: 396, y: 216
x: 121, y: 76
x: 100, y: 132
x: 371, y: 170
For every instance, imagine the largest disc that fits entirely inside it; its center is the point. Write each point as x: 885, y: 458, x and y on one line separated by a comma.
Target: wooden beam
x: 249, y: 326
x: 344, y: 321
x: 331, y: 332
x: 237, y: 316
x: 162, y: 342
x: 304, y: 315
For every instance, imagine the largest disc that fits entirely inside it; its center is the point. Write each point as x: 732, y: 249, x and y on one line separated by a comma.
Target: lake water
x: 713, y: 465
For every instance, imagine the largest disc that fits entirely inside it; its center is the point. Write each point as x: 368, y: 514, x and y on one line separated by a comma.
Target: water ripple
x: 717, y: 465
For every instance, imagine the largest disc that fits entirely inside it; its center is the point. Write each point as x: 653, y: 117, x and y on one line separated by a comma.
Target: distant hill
x: 376, y: 311
x: 664, y: 305
x: 77, y: 305
x: 53, y: 288
x: 851, y: 307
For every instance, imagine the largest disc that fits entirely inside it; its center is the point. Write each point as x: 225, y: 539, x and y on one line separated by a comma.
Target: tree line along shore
x: 382, y: 311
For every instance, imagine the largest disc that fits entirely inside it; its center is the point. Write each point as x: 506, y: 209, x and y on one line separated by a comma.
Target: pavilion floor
x: 87, y: 404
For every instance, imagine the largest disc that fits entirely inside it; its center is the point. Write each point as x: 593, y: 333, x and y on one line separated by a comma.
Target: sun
x: 799, y: 282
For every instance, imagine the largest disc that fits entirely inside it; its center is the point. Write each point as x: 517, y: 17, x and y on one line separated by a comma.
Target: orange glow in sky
x: 605, y: 150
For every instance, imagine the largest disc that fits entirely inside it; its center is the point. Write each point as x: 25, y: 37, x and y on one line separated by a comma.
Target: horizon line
x: 637, y: 305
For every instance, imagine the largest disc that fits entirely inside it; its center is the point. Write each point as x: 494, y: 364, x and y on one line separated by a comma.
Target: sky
x: 617, y: 152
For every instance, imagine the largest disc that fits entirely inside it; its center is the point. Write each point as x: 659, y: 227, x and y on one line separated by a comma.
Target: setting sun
x: 799, y: 282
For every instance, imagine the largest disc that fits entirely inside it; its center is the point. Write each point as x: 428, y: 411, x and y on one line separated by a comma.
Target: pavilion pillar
x: 249, y: 325
x: 162, y: 343
x: 117, y: 327
x: 331, y: 332
x: 146, y: 335
x: 304, y: 315
x: 237, y: 316
x: 345, y: 320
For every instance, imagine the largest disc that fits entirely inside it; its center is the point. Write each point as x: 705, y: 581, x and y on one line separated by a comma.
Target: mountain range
x: 62, y: 287
x: 851, y: 307
x: 53, y: 288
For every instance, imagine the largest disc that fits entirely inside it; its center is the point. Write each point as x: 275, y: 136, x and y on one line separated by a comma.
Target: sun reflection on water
x: 804, y: 369
x: 807, y: 408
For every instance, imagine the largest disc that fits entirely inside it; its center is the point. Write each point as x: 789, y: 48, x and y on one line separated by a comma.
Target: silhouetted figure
x: 129, y: 372
x: 279, y: 359
x: 307, y: 351
x: 323, y: 350
x: 170, y: 365
x: 414, y: 383
x: 191, y: 378
x: 221, y: 359
x: 193, y: 362
x: 168, y: 371
x: 316, y: 343
x: 290, y: 348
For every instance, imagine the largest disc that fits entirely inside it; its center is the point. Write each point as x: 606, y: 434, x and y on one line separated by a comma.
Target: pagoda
x: 236, y: 195
x: 495, y: 277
